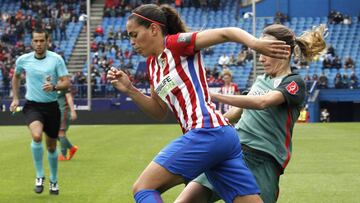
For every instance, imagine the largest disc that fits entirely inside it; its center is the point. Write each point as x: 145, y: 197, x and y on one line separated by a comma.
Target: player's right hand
x: 14, y: 104
x: 119, y: 80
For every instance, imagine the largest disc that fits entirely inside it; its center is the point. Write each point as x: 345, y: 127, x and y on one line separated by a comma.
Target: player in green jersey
x: 68, y: 114
x: 268, y: 114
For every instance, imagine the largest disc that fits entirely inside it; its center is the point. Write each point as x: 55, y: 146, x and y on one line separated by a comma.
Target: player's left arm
x: 70, y: 101
x: 290, y: 91
x: 272, y: 98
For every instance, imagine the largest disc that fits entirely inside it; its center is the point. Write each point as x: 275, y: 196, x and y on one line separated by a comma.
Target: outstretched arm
x: 272, y: 48
x: 271, y: 98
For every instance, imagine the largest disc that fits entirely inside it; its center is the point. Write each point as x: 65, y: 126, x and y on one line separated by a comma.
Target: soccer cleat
x: 72, y: 151
x: 54, y: 188
x: 62, y: 158
x: 39, y: 185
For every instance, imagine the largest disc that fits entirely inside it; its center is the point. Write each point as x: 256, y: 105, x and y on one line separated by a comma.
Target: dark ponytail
x: 174, y: 23
x: 165, y: 16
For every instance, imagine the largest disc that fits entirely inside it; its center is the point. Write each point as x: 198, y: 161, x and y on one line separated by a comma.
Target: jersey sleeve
x: 293, y: 89
x: 182, y: 43
x: 61, y: 68
x: 19, y: 66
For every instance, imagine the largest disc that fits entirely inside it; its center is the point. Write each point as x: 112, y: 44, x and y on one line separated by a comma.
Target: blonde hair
x: 311, y: 43
x: 226, y: 72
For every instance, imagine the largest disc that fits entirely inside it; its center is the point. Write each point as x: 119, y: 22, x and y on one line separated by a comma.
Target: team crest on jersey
x: 277, y: 82
x: 184, y: 37
x: 292, y: 88
x: 162, y: 62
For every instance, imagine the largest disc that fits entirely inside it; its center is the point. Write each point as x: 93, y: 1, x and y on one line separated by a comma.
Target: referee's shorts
x: 47, y: 113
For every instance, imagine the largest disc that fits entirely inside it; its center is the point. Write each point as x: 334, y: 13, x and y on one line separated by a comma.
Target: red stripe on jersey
x: 151, y: 68
x: 288, y: 138
x: 177, y: 92
x: 158, y: 70
x: 176, y: 114
x: 165, y: 58
x: 190, y: 89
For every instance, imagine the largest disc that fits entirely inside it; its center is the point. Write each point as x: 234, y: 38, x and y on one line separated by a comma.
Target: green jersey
x: 270, y: 130
x: 63, y: 103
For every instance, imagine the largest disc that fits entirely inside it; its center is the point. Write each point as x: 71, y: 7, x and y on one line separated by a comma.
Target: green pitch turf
x: 325, y: 166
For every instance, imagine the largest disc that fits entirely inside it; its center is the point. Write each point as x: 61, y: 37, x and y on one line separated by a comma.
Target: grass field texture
x: 325, y: 166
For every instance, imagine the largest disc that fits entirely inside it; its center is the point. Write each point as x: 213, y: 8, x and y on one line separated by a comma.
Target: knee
x: 136, y: 187
x: 37, y: 138
x: 51, y: 149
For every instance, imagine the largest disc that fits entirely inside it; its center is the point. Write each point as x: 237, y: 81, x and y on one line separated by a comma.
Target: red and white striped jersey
x: 231, y: 89
x: 178, y: 77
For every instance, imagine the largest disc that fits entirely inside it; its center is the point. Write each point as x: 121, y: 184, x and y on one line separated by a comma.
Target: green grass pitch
x: 325, y: 166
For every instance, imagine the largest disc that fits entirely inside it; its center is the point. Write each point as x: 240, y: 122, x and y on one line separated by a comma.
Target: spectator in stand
x: 327, y: 62
x: 241, y: 58
x: 324, y: 115
x: 208, y: 51
x: 308, y: 81
x: 338, y: 18
x: 346, y: 81
x: 323, y: 81
x: 232, y: 60
x: 228, y: 88
x: 338, y: 81
x: 331, y: 17
x: 62, y: 28
x: 347, y: 20
x: 353, y: 81
x: 349, y: 63
x: 111, y: 34
x: 336, y: 63
x: 99, y: 31
x: 280, y: 18
x: 331, y: 50
x: 223, y: 60
x: 315, y: 77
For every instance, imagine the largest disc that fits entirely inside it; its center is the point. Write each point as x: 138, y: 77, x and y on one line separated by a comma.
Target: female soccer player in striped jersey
x: 268, y: 114
x: 177, y: 81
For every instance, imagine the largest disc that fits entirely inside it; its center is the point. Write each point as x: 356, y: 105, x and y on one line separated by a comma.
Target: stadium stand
x: 341, y: 36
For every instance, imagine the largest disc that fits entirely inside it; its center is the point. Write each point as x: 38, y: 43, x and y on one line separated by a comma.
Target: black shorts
x: 47, y: 113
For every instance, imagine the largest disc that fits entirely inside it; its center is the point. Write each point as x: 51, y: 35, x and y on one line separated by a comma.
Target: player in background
x: 228, y: 88
x: 268, y: 114
x: 68, y: 114
x: 46, y: 73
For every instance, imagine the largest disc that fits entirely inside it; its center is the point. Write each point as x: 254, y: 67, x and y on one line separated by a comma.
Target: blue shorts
x: 215, y: 151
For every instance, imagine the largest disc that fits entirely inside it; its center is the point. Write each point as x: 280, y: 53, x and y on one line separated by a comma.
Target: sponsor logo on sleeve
x: 292, y: 88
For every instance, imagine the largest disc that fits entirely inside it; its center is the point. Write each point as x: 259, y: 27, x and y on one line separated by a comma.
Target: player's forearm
x: 241, y: 101
x: 70, y: 101
x: 15, y: 86
x: 63, y: 84
x: 147, y: 104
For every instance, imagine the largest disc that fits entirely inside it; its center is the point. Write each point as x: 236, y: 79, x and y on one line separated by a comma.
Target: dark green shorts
x: 266, y: 171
